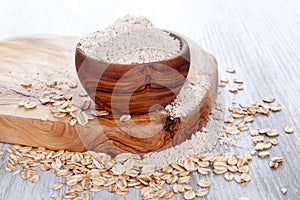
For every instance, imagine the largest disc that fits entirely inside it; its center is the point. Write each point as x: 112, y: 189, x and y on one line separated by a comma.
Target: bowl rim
x: 184, y: 50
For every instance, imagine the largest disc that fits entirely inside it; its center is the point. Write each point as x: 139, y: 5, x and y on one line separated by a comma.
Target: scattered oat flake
x: 84, y: 196
x: 178, y: 188
x: 243, y: 127
x: 184, y: 179
x: 168, y: 194
x: 245, y: 177
x: 268, y: 99
x: 236, y: 80
x: 237, y: 115
x: 83, y: 94
x: 203, y: 183
x: 59, y: 115
x: 23, y: 102
x: 70, y: 195
x: 99, y: 113
x: 25, y: 174
x: 232, y: 131
x: 78, y: 188
x: 201, y: 192
x: 57, y: 186
x: 263, y: 154
x: 82, y: 118
x: 203, y: 171
x: 264, y: 130
x: 16, y: 172
x: 249, y: 118
x: 283, y: 190
x: 45, y: 167
x: 268, y: 145
x: 122, y: 192
x: 274, y: 142
x: 272, y: 133
x: 274, y: 165
x: 55, y: 197
x: 30, y: 105
x: 277, y: 159
x: 58, y: 97
x: 189, y: 165
x: 34, y: 178
x: 228, y: 176
x: 125, y: 118
x: 254, y: 133
x: 276, y: 108
x: 231, y: 160
x: 244, y: 169
x: 225, y: 80
x: 1, y: 152
x: 68, y: 96
x: 259, y: 146
x: 233, y: 90
x: 289, y: 129
x: 187, y: 187
x: 240, y: 86
x: 238, y: 179
x: 96, y: 188
x: 230, y: 70
x: 118, y: 169
x: 189, y: 195
x: 73, y: 122
x: 44, y: 98
x: 26, y: 85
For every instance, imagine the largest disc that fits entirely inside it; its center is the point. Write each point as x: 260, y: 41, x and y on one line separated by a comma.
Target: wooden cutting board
x: 42, y: 59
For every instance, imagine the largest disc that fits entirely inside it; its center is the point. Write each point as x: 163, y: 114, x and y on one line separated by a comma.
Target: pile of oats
x: 62, y: 105
x: 238, y: 84
x: 90, y: 171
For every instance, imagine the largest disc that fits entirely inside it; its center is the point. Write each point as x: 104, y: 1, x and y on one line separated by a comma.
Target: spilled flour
x: 201, y: 142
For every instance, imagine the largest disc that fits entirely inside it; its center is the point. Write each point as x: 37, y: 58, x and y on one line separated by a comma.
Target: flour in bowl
x: 131, y: 40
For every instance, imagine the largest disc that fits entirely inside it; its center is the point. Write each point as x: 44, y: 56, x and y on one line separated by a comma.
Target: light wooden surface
x: 259, y: 38
x: 39, y: 60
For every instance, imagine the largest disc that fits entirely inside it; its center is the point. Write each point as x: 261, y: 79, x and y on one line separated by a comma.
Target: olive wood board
x: 44, y: 58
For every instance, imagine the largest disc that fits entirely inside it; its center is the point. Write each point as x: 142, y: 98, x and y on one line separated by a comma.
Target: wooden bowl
x: 133, y: 88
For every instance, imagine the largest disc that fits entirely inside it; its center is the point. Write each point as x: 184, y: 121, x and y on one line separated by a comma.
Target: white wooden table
x: 260, y: 38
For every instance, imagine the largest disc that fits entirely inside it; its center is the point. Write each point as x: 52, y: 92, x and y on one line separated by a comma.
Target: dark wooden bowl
x: 133, y: 88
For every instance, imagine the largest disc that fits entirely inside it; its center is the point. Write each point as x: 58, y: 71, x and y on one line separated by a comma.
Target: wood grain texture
x: 142, y: 134
x: 259, y: 38
x: 110, y: 85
